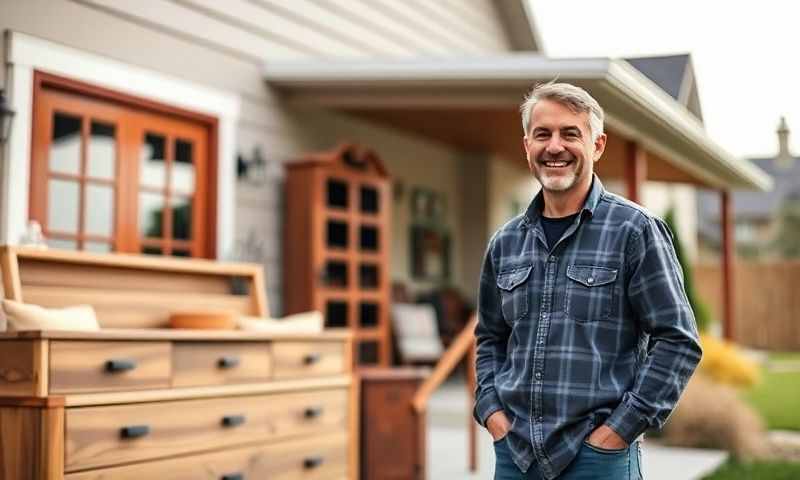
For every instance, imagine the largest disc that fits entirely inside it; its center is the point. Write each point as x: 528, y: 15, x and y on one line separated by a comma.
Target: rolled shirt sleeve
x: 657, y: 296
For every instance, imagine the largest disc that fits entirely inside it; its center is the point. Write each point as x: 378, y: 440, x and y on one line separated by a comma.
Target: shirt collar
x: 536, y: 206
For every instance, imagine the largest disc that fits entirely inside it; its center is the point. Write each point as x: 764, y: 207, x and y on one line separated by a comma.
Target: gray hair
x: 575, y: 98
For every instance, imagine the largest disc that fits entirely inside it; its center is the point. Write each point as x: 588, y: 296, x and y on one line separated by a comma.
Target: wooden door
x: 107, y: 176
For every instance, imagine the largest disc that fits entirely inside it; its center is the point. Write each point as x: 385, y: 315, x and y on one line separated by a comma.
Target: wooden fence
x: 766, y: 301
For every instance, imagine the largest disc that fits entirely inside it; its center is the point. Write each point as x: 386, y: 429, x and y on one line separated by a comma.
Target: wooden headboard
x: 131, y: 291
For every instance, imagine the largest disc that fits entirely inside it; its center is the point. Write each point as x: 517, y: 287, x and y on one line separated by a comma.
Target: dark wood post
x: 728, y: 258
x: 635, y: 171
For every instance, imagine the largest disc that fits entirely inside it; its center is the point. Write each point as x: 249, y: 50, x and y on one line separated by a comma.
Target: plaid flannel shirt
x: 597, y: 330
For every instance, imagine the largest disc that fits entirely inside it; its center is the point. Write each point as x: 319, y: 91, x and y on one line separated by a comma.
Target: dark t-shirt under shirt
x: 555, y: 227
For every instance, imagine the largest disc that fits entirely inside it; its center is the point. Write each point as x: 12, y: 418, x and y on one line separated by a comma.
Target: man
x: 585, y: 335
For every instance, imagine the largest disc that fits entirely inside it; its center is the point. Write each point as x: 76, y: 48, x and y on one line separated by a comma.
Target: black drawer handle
x: 232, y: 476
x: 311, y: 358
x: 312, y: 462
x: 233, y: 420
x: 120, y: 365
x: 228, y: 362
x: 312, y: 412
x: 134, y: 431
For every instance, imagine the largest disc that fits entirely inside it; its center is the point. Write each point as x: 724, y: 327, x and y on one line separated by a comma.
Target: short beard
x: 560, y: 183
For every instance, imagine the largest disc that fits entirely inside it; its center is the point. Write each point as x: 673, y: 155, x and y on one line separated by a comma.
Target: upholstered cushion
x: 21, y: 316
x: 416, y: 332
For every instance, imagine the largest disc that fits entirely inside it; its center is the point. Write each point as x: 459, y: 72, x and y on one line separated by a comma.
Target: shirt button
x: 539, y: 419
x: 590, y: 280
x: 552, y: 258
x: 538, y: 375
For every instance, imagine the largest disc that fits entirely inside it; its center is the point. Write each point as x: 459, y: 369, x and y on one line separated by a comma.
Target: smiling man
x: 585, y: 335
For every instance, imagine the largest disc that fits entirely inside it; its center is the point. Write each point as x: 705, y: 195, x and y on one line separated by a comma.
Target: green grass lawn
x: 732, y: 470
x: 784, y: 357
x: 776, y: 399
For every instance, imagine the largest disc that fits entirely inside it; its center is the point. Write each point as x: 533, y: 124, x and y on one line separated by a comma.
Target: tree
x: 702, y: 314
x: 787, y: 241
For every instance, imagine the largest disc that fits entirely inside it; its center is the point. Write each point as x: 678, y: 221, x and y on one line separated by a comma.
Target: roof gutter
x: 616, y: 78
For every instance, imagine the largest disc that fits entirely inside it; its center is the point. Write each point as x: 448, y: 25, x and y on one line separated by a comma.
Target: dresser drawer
x: 196, y: 364
x: 307, y: 359
x: 309, y: 412
x: 111, y: 435
x: 88, y: 366
x: 318, y: 458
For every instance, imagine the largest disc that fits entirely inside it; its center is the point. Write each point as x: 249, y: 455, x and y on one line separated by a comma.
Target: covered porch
x: 472, y: 106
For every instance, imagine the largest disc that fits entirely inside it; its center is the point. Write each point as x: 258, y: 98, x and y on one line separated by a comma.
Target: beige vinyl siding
x: 326, y: 18
x: 262, y: 21
x: 482, y: 28
x: 225, y: 44
x: 204, y: 29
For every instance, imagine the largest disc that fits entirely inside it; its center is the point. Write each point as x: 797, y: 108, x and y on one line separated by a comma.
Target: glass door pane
x: 152, y: 162
x: 182, y: 176
x: 102, y: 161
x: 153, y: 197
x: 65, y: 144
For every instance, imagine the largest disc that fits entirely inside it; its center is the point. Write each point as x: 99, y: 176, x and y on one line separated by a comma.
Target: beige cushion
x: 416, y: 332
x: 21, y: 316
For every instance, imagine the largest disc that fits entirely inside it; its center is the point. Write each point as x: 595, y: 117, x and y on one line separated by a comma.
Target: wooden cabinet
x: 393, y: 433
x: 141, y: 402
x: 336, y: 246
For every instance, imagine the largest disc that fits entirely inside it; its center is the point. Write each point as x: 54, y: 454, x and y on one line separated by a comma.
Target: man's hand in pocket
x: 498, y: 425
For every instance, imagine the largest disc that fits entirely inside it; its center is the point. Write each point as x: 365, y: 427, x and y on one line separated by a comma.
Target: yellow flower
x: 724, y: 362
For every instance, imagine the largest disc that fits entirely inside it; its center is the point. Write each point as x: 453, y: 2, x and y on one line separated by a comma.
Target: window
x: 110, y: 173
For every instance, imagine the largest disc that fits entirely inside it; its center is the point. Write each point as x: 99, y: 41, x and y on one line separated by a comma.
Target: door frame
x: 26, y: 54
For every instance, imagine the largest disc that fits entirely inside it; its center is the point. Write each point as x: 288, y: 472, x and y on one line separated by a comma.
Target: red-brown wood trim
x: 48, y: 80
x: 212, y: 172
x: 728, y: 259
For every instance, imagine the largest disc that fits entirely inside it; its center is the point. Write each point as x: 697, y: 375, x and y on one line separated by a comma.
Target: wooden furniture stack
x: 138, y: 401
x: 336, y: 246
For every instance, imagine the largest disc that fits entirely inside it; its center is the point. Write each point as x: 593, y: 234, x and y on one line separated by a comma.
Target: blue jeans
x: 592, y: 463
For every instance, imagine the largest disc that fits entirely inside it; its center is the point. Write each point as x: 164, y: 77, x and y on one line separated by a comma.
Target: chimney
x: 784, y: 159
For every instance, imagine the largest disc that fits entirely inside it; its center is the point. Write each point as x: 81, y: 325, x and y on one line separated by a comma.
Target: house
x: 104, y: 91
x: 760, y: 216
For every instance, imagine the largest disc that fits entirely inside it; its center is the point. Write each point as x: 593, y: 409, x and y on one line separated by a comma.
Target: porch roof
x: 472, y: 103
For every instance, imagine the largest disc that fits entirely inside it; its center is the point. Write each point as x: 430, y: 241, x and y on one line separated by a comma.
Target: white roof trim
x: 615, y: 77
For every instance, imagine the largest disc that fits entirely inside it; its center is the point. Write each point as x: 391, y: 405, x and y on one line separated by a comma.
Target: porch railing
x: 462, y: 347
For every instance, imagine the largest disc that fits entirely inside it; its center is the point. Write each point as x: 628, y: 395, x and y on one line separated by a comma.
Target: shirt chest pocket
x: 590, y: 292
x: 513, y: 286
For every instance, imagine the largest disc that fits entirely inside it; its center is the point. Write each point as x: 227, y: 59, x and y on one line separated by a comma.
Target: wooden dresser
x: 152, y: 403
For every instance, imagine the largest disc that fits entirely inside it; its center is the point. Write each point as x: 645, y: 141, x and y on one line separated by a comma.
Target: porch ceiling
x: 472, y: 104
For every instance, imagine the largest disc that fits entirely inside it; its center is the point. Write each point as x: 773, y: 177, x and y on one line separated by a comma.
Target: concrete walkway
x: 447, y: 446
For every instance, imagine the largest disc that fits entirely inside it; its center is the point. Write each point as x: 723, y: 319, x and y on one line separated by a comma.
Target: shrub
x: 723, y: 362
x: 711, y: 415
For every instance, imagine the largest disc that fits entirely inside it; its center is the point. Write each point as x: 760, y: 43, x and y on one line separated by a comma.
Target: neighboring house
x: 762, y: 227
x: 130, y: 117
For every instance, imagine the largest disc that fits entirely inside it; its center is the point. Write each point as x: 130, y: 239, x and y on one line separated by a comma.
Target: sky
x: 746, y: 56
